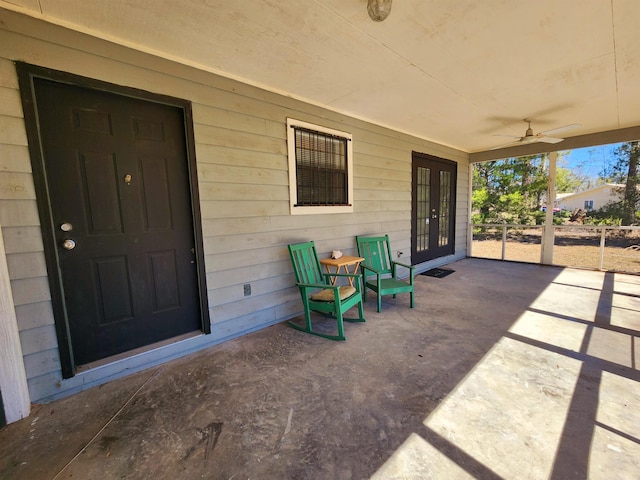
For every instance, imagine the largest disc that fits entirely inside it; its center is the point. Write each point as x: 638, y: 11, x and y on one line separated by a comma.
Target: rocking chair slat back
x: 306, y: 264
x: 376, y: 252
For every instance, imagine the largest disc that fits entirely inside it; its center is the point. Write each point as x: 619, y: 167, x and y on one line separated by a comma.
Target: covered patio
x: 503, y: 370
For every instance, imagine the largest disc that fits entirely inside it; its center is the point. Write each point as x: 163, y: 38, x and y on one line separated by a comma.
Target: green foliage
x: 567, y: 181
x: 509, y: 191
x: 512, y: 190
x: 479, y: 197
x: 625, y: 170
x: 611, y: 214
x: 596, y: 220
x: 539, y: 217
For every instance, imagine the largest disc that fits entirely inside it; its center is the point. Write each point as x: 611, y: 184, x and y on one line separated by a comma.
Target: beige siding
x: 600, y: 196
x: 241, y: 150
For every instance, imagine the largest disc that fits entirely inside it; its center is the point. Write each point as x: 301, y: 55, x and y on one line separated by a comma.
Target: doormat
x: 438, y: 272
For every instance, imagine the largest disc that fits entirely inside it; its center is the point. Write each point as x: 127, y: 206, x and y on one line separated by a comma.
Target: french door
x: 432, y: 207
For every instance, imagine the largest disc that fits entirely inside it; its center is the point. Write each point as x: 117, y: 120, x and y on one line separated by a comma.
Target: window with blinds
x: 320, y: 169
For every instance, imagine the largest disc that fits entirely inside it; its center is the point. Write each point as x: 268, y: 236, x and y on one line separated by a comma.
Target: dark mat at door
x: 438, y: 272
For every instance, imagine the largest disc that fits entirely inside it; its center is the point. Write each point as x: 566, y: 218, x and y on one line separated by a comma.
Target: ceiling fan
x: 530, y: 137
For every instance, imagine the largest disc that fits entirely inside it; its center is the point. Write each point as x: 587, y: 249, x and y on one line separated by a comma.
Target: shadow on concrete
x: 500, y: 371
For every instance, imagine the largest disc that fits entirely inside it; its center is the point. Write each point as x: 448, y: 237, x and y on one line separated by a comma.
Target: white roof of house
x: 563, y: 196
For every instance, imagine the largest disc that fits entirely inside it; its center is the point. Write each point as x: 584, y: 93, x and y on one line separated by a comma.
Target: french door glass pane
x: 443, y: 216
x: 423, y: 207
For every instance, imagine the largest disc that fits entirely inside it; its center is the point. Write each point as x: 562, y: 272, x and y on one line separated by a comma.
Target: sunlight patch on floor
x: 417, y: 459
x: 619, y: 398
x: 575, y: 276
x: 611, y: 346
x: 551, y: 330
x: 628, y: 284
x: 611, y: 453
x: 509, y: 413
x: 616, y: 440
x: 622, y: 306
x: 531, y: 395
x: 561, y: 299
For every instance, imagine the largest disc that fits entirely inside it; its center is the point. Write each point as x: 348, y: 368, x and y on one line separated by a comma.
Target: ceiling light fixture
x: 379, y: 9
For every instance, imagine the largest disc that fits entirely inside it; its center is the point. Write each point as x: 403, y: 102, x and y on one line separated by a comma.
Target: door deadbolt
x: 68, y: 244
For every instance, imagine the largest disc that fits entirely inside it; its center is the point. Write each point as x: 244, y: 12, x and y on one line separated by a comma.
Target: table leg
x: 331, y: 278
x: 355, y: 269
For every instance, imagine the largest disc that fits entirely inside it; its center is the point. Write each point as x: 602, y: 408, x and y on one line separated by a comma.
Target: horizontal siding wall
x: 241, y: 150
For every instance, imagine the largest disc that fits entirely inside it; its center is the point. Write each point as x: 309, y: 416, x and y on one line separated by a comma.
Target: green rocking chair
x: 319, y: 294
x: 379, y: 271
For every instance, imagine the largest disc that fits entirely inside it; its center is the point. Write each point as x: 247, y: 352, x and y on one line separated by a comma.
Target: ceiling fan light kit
x: 530, y: 137
x: 379, y: 9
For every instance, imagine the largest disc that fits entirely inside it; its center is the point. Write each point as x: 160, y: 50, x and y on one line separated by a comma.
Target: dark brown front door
x: 121, y: 218
x: 433, y: 207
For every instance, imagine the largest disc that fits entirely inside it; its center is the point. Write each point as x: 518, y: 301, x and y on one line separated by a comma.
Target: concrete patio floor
x: 503, y: 370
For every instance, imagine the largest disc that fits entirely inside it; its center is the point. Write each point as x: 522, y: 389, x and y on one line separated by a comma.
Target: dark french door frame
x: 26, y: 75
x: 451, y: 167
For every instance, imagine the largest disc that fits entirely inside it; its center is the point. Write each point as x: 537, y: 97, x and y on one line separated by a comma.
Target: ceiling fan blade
x: 545, y: 139
x: 560, y: 129
x: 538, y: 137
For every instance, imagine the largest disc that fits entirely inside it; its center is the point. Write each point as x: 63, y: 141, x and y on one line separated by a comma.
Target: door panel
x: 433, y: 207
x: 118, y: 184
x: 99, y: 188
x: 156, y: 191
x: 113, y: 289
x: 165, y: 280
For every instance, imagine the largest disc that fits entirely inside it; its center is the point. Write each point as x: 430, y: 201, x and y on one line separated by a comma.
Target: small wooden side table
x: 343, y: 262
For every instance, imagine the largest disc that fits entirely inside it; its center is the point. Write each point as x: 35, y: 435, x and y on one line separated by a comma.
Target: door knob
x: 68, y: 244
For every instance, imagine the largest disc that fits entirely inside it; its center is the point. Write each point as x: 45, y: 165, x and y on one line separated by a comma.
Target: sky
x: 590, y: 161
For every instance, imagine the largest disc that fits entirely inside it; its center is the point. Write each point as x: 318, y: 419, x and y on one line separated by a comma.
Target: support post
x: 13, y: 378
x: 470, y: 211
x: 603, y: 239
x: 504, y: 241
x: 549, y: 230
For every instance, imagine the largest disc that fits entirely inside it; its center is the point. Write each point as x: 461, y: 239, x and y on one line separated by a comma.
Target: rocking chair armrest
x: 409, y: 267
x: 367, y: 267
x: 404, y: 265
x: 317, y: 286
x: 351, y: 275
x: 324, y: 286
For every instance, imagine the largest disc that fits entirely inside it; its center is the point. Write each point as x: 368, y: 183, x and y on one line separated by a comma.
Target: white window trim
x: 293, y: 191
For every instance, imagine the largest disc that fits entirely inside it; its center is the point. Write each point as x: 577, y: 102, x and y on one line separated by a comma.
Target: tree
x: 567, y: 181
x: 625, y: 172
x: 509, y: 190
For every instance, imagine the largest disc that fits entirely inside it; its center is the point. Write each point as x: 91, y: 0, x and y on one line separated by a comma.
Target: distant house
x: 591, y: 199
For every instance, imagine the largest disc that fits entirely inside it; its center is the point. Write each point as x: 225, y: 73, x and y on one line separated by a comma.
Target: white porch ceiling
x: 452, y: 71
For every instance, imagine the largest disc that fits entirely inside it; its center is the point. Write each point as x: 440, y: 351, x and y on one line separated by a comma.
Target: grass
x: 573, y: 248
